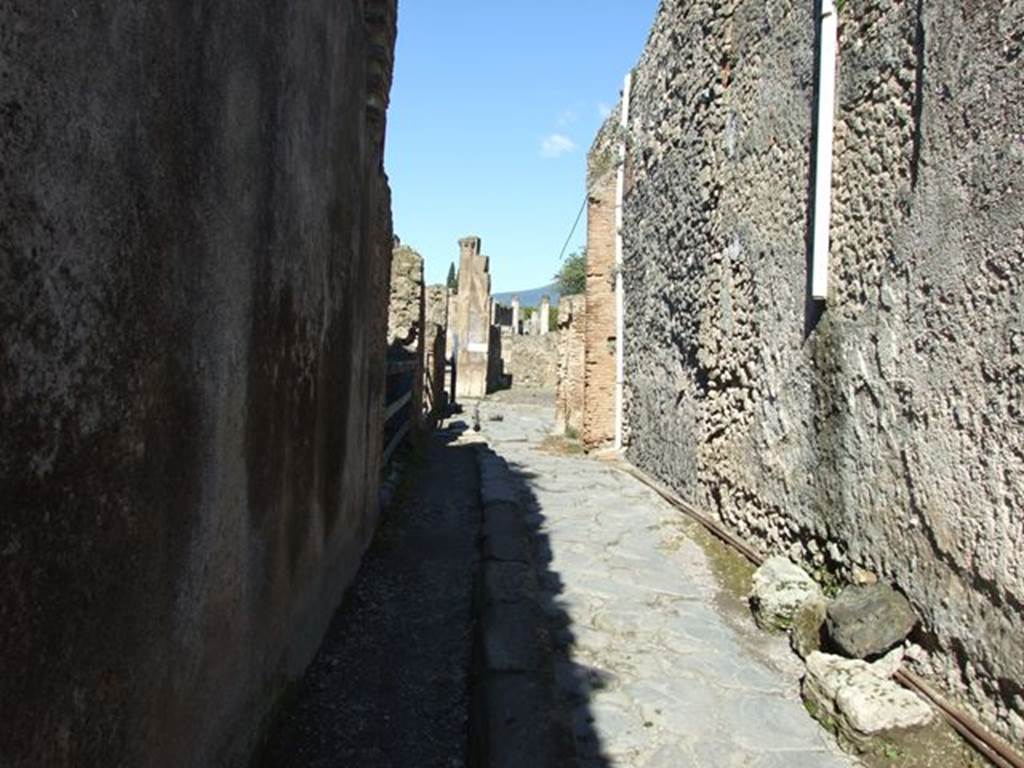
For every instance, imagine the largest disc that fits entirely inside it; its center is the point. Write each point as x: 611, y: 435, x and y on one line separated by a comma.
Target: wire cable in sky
x: 573, y: 230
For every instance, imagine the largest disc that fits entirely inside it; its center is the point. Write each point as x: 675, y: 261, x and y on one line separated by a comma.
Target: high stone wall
x: 887, y: 433
x: 194, y: 257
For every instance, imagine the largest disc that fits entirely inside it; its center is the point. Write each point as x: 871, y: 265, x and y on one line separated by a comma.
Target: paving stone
x: 523, y: 725
x: 514, y: 638
x: 659, y: 676
x: 508, y: 582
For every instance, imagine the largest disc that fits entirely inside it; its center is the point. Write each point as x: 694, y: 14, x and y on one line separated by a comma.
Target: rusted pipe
x: 985, y: 743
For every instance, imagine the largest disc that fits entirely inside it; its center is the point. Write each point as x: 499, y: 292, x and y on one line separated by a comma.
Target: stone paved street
x: 662, y: 665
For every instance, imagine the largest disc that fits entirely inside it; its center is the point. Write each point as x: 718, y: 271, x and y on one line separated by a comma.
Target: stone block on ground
x: 514, y: 639
x: 860, y: 697
x: 523, y: 724
x: 497, y: 484
x: 868, y: 620
x: 779, y: 588
x: 807, y: 627
x: 508, y: 582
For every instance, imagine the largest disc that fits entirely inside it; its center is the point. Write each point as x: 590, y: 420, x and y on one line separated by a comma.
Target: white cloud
x: 603, y: 110
x: 567, y: 118
x: 556, y: 145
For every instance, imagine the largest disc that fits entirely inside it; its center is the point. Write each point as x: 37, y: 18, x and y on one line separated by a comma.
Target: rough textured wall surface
x: 194, y: 244
x: 435, y: 350
x: 599, y: 319
x: 407, y: 321
x: 531, y: 361
x: 888, y: 433
x: 407, y: 303
x: 572, y: 360
x: 472, y: 320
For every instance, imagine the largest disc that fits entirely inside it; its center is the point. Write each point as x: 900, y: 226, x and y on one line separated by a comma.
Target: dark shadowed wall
x: 194, y: 254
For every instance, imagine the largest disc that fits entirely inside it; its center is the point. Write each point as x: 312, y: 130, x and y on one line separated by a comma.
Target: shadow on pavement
x: 389, y: 686
x: 571, y: 682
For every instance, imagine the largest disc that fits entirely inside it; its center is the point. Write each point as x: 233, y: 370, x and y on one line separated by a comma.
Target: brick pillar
x: 599, y: 399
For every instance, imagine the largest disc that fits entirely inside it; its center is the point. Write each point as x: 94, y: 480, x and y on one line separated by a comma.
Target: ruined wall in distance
x: 407, y: 326
x: 887, y: 433
x: 531, y: 361
x: 194, y: 255
x: 438, y: 298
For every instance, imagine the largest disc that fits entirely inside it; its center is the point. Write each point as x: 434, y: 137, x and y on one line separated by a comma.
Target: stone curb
x: 516, y: 719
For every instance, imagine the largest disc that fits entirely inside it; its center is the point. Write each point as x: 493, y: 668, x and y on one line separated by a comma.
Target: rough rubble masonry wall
x: 569, y: 393
x: 194, y: 257
x: 599, y: 319
x: 892, y: 436
x: 407, y: 319
x: 435, y: 399
x: 531, y: 361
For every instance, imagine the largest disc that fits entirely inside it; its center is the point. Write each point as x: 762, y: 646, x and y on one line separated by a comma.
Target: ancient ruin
x: 855, y: 433
x: 472, y: 315
x: 599, y: 318
x: 192, y: 401
x: 741, y: 486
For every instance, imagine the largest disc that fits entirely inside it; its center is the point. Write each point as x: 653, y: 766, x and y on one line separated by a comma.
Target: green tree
x: 452, y: 282
x: 572, y: 276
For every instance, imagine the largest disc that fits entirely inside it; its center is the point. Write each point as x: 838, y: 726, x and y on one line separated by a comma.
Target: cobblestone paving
x: 658, y: 672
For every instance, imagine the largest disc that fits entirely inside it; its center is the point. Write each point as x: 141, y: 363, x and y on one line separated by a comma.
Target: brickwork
x: 599, y: 318
x: 571, y: 346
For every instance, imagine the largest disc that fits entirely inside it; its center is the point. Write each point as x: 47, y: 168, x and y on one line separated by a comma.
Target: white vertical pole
x: 823, y: 161
x: 620, y: 185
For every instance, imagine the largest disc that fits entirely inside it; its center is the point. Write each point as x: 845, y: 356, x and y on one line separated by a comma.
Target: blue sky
x: 493, y: 109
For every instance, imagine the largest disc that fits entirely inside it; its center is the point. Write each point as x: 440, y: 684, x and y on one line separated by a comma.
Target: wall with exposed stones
x: 885, y: 429
x: 572, y: 359
x: 435, y: 401
x: 407, y: 333
x: 531, y: 361
x: 194, y: 258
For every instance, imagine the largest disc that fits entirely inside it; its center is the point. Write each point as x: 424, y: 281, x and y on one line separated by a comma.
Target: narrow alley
x: 466, y: 384
x: 656, y: 662
x: 663, y: 668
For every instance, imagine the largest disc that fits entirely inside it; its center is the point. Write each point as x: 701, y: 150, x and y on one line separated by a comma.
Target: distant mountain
x: 531, y: 296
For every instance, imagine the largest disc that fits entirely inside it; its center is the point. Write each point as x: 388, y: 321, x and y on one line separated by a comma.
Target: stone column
x: 545, y: 314
x: 472, y: 319
x: 515, y: 315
